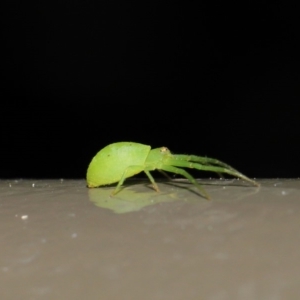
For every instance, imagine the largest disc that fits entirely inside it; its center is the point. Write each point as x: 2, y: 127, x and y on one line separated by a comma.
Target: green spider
x: 118, y: 161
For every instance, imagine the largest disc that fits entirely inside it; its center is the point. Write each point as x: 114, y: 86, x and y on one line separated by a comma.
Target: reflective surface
x: 60, y: 240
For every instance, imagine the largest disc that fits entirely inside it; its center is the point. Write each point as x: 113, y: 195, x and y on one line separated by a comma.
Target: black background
x: 206, y: 78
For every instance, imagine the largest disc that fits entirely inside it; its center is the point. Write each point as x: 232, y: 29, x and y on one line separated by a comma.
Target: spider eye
x: 163, y: 149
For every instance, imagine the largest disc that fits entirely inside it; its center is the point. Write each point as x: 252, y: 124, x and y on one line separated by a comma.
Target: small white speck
x: 24, y: 217
x: 224, y: 187
x: 10, y: 185
x: 33, y: 185
x: 74, y: 235
x: 283, y: 193
x: 61, y: 180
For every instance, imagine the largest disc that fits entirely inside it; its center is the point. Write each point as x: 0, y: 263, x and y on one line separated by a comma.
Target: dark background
x: 212, y: 79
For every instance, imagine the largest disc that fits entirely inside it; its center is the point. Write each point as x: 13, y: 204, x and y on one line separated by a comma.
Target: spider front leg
x: 188, y: 176
x: 203, y: 160
x: 211, y: 168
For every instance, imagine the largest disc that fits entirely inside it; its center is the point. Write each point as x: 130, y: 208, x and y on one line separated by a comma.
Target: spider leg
x: 135, y: 169
x: 165, y: 174
x: 203, y: 160
x: 211, y: 168
x: 152, y: 180
x: 185, y: 174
